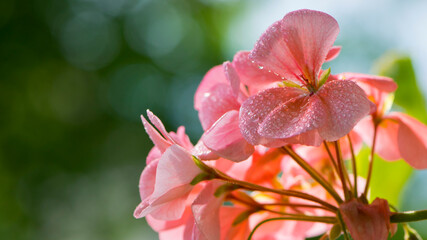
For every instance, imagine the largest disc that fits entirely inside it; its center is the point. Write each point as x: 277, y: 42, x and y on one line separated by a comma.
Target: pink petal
x: 202, y: 152
x: 171, y: 182
x: 250, y: 74
x: 224, y: 138
x: 385, y: 84
x: 161, y: 225
x: 148, y: 180
x: 234, y: 81
x: 256, y: 108
x: 412, y: 140
x: 227, y: 216
x: 297, y: 44
x: 219, y: 101
x: 213, y: 77
x: 387, y: 140
x: 206, y: 211
x: 293, y: 118
x: 161, y: 143
x: 333, y: 53
x: 181, y: 138
x: 159, y: 125
x: 367, y: 222
x: 346, y: 104
x: 265, y: 166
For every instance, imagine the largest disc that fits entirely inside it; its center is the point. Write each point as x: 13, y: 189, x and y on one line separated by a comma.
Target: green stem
x: 371, y: 160
x: 325, y: 144
x: 291, y: 193
x: 298, y: 206
x: 313, y: 173
x: 409, y: 216
x: 343, y: 227
x: 353, y: 163
x: 296, y: 217
x: 342, y: 171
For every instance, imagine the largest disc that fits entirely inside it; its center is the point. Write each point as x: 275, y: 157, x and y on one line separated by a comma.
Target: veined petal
x: 411, y: 138
x: 346, y: 104
x: 297, y: 44
x: 294, y: 117
x: 220, y: 100
x: 256, y: 108
x: 385, y: 84
x: 213, y: 77
x: 250, y: 74
x: 333, y: 53
x: 226, y: 140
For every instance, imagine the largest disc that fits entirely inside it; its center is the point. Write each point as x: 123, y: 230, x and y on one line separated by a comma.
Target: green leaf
x: 335, y: 232
x: 388, y: 178
x: 408, y: 95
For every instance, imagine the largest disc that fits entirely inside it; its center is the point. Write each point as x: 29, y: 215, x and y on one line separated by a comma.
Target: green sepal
x: 335, y: 232
x: 228, y: 187
x: 201, y: 177
x: 205, y: 168
x: 242, y: 217
x: 324, y: 77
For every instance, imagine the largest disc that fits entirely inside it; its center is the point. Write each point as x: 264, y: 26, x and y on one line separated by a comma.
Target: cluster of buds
x: 278, y: 130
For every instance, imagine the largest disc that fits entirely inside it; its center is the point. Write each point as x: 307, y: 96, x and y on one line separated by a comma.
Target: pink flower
x: 165, y: 184
x: 164, y: 187
x: 218, y: 101
x: 367, y: 221
x: 313, y: 109
x: 398, y: 135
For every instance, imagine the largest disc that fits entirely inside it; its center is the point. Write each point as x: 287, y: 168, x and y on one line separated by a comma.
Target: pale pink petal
x: 153, y: 154
x: 224, y: 138
x: 333, y: 53
x: 202, y: 152
x: 206, y: 211
x: 159, y: 125
x: 234, y: 81
x: 181, y: 138
x: 256, y: 108
x: 148, y: 179
x: 412, y: 140
x: 367, y: 222
x: 213, y: 77
x: 173, y: 233
x: 385, y: 84
x: 161, y: 143
x: 294, y: 117
x: 297, y: 44
x: 250, y: 74
x: 387, y: 140
x: 172, y: 183
x: 346, y: 104
x: 310, y: 138
x: 170, y: 207
x: 161, y: 225
x: 219, y: 101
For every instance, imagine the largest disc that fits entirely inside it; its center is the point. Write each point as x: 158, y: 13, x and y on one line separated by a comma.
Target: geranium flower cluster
x: 277, y: 132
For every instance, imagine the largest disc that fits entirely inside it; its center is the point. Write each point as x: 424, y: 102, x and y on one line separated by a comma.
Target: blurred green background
x: 76, y: 75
